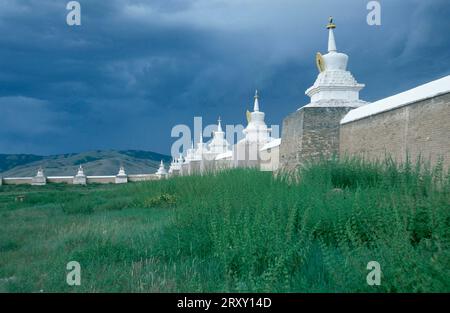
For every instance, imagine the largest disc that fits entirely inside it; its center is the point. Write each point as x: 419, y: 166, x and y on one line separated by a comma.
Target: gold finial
x: 331, y: 25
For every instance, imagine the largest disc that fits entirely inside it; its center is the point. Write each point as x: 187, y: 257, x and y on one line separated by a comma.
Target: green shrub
x: 9, y: 245
x: 163, y: 200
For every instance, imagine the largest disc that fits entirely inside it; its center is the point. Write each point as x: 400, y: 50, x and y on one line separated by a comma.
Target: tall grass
x: 245, y: 230
x: 266, y: 234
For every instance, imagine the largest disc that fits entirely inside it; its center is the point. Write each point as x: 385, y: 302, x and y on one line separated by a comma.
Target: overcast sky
x: 136, y: 68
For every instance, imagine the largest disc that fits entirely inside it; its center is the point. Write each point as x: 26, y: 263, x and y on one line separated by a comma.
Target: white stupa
x: 39, y: 179
x: 80, y: 177
x: 334, y: 86
x: 312, y: 132
x: 171, y: 166
x: 256, y: 130
x: 190, y: 153
x: 121, y: 177
x: 218, y: 144
x: 246, y: 153
x: 121, y: 171
x: 176, y: 164
x: 80, y: 171
x: 201, y: 149
x: 40, y: 172
x: 161, y: 173
x: 180, y: 159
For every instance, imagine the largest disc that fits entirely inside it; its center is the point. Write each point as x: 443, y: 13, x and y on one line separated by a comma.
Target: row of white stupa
x: 79, y: 179
x: 257, y: 137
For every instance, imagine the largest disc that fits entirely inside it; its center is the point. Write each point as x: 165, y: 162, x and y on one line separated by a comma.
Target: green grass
x: 240, y: 230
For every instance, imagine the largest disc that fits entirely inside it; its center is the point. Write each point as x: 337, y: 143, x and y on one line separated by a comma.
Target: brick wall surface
x: 421, y: 128
x: 310, y: 133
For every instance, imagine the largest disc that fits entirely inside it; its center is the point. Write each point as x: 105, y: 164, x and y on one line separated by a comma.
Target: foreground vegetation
x: 240, y: 230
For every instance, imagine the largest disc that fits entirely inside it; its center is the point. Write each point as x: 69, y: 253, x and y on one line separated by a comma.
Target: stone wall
x: 84, y: 179
x: 247, y: 154
x: 209, y: 166
x: 60, y: 179
x: 17, y: 181
x: 270, y: 159
x: 420, y: 128
x: 101, y: 179
x: 142, y: 177
x: 224, y: 164
x: 195, y: 167
x: 309, y: 133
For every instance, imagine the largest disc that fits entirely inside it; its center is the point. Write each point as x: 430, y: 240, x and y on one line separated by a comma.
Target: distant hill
x: 94, y: 163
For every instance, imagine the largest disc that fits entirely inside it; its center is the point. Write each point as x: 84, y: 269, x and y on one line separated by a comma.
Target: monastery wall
x: 17, y: 180
x: 309, y: 133
x: 270, y: 159
x: 112, y: 179
x: 419, y: 128
x: 101, y: 179
x: 247, y: 154
x: 223, y: 164
x: 194, y: 167
x: 209, y: 166
x: 142, y: 177
x: 60, y: 179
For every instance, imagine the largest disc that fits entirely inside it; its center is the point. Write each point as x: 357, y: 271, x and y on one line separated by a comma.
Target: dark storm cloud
x: 134, y: 69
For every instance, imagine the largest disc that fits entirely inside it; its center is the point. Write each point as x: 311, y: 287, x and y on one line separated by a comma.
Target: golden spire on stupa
x: 331, y: 25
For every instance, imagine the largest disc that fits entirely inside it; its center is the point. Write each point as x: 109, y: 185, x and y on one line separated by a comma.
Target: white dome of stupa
x: 80, y: 171
x: 121, y: 171
x: 161, y: 169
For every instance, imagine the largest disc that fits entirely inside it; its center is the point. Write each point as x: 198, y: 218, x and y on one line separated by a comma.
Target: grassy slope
x: 9, y: 161
x: 241, y: 230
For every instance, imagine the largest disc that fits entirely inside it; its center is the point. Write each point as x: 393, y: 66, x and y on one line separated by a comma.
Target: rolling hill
x: 99, y: 162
